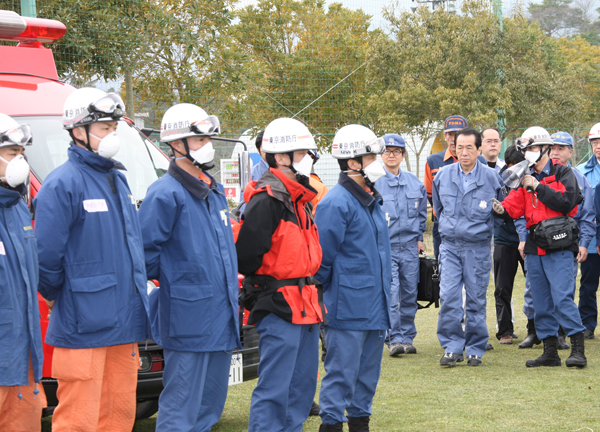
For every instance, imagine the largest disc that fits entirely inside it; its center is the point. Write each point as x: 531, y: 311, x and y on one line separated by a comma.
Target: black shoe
x: 358, y: 424
x: 409, y: 348
x: 473, y: 360
x: 396, y: 349
x: 577, y: 357
x: 515, y: 336
x: 315, y: 409
x: 550, y: 355
x: 489, y: 347
x: 588, y: 334
x: 531, y: 338
x: 450, y: 359
x: 338, y: 427
x: 562, y: 343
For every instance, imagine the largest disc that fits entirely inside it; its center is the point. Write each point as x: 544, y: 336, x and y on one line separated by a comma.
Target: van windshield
x: 144, y: 162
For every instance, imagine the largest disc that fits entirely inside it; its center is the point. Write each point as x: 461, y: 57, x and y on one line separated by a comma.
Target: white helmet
x: 354, y: 140
x: 534, y: 136
x: 285, y: 135
x: 13, y: 134
x: 90, y: 105
x: 186, y: 120
x: 594, y: 132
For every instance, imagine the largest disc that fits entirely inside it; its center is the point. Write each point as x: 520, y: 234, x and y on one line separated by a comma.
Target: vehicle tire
x: 146, y: 409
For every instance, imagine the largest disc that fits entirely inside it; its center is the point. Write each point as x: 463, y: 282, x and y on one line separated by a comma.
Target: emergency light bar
x: 14, y: 27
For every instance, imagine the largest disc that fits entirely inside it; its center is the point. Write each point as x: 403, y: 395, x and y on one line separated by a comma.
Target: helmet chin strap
x: 204, y: 167
x: 83, y: 143
x: 301, y: 178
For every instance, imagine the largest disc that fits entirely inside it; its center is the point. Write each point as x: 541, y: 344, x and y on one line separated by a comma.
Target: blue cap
x: 455, y: 123
x: 562, y: 138
x: 394, y: 140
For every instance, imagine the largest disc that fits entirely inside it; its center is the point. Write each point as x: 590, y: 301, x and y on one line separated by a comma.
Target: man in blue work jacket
x: 259, y: 169
x: 590, y: 268
x: 405, y: 208
x: 21, y: 355
x: 462, y: 199
x: 356, y: 277
x: 189, y: 248
x: 561, y: 151
x: 92, y: 271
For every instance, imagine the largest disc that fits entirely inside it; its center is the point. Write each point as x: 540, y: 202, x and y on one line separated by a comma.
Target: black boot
x: 577, y: 357
x: 550, y: 355
x: 315, y: 409
x: 531, y: 338
x: 338, y: 427
x: 562, y: 340
x: 358, y: 424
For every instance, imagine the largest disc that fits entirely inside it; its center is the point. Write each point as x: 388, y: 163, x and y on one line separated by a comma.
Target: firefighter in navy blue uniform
x: 356, y: 276
x: 279, y: 253
x: 92, y: 266
x: 189, y: 248
x: 545, y: 195
x: 21, y: 394
x: 462, y: 198
x: 405, y: 208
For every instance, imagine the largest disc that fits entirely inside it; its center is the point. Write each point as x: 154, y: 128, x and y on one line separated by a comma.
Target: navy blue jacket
x: 91, y: 254
x: 356, y: 270
x: 188, y: 242
x: 20, y: 334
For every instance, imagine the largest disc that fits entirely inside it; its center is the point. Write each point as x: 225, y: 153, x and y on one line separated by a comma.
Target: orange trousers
x: 24, y: 415
x: 96, y: 388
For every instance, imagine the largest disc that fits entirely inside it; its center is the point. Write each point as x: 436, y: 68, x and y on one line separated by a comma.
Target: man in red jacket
x: 549, y: 193
x: 279, y: 253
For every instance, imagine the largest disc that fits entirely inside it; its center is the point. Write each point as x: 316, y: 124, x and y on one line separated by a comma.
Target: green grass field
x: 416, y: 394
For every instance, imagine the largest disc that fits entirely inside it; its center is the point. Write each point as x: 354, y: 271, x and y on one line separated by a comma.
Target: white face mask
x: 304, y: 167
x: 109, y: 145
x: 204, y: 154
x: 374, y: 171
x: 17, y: 171
x: 532, y: 156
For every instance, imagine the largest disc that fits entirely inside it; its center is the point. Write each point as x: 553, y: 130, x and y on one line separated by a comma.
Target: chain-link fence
x: 395, y: 66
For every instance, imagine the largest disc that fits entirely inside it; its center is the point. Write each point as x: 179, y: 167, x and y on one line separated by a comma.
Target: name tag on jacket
x: 95, y: 205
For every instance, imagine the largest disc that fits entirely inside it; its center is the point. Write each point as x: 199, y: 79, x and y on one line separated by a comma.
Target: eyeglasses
x: 396, y: 152
x: 492, y: 141
x: 595, y: 143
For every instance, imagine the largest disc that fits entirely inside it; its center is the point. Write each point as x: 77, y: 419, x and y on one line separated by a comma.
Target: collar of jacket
x: 194, y: 185
x: 591, y: 164
x: 395, y: 180
x: 10, y: 196
x: 284, y: 189
x: 364, y: 198
x: 548, y: 170
x: 448, y: 155
x: 93, y: 160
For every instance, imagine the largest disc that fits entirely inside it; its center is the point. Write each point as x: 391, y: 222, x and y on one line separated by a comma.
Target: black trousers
x: 506, y: 263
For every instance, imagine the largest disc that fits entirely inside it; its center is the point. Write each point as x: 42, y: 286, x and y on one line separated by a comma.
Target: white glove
x: 497, y: 205
x: 530, y: 183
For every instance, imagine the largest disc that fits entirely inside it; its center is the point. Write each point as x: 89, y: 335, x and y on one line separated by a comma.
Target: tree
x: 557, y: 17
x: 301, y: 58
x: 435, y: 64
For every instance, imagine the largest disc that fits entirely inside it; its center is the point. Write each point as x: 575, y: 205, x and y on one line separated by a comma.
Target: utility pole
x: 501, y: 122
x: 28, y: 8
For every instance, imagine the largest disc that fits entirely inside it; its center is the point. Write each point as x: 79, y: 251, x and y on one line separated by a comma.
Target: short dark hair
x: 513, y: 156
x: 258, y: 140
x: 492, y: 128
x: 469, y: 132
